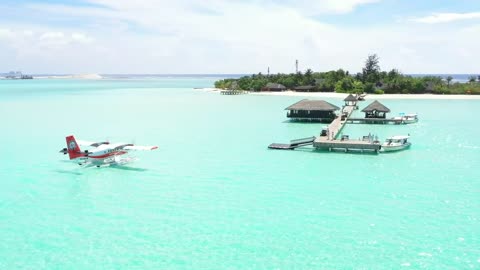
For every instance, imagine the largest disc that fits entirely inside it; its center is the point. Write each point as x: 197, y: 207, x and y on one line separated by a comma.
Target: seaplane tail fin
x: 73, y: 148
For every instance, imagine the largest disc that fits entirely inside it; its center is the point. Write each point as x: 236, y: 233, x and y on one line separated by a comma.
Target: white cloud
x: 52, y: 35
x: 447, y: 17
x: 330, y: 6
x: 55, y: 39
x: 82, y: 38
x: 5, y: 33
x: 19, y: 38
x: 235, y: 37
x: 28, y: 33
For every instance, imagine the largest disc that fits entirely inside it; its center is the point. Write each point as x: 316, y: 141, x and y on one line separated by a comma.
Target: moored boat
x: 396, y: 143
x: 409, y: 118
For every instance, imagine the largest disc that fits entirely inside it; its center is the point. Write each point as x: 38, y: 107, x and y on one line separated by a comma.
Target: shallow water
x: 214, y: 197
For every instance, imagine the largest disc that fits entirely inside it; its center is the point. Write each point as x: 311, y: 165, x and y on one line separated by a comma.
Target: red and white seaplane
x: 101, y: 153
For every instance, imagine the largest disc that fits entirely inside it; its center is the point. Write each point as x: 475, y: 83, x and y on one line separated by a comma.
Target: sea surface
x: 214, y: 197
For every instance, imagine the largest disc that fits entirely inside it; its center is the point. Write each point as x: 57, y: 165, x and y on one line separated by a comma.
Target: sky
x: 237, y: 36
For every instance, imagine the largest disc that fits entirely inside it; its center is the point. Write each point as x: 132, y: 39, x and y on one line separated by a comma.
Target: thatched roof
x: 350, y: 98
x: 376, y: 106
x: 275, y: 86
x: 312, y: 105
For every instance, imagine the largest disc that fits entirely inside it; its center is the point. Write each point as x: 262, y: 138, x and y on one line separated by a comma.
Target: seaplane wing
x: 139, y: 148
x: 92, y: 144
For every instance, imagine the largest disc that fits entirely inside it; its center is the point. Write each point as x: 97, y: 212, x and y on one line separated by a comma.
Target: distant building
x: 14, y: 75
x: 276, y: 87
x: 17, y: 75
x: 350, y: 100
x: 381, y: 85
x: 376, y: 110
x: 312, y: 110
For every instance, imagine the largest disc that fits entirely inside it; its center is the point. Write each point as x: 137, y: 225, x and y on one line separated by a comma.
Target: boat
x: 361, y: 97
x: 408, y: 118
x: 396, y: 143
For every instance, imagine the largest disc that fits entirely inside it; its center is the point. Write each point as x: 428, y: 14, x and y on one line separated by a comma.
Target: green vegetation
x: 370, y: 80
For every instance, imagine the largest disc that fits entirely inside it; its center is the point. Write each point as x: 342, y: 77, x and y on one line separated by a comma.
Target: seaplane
x: 101, y: 154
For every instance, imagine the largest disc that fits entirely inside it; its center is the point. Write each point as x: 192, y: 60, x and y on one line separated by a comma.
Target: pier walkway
x: 330, y: 142
x: 337, y: 124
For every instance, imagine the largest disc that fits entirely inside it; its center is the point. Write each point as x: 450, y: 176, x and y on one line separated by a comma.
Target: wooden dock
x: 233, y: 92
x: 348, y: 145
x: 375, y: 121
x: 332, y: 143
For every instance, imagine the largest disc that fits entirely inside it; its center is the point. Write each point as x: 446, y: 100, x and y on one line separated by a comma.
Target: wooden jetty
x: 293, y: 144
x: 331, y: 142
x: 375, y: 113
x: 347, y: 145
x: 232, y: 92
x: 375, y: 121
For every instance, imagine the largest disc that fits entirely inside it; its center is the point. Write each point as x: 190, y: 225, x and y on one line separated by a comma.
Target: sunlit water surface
x: 213, y: 197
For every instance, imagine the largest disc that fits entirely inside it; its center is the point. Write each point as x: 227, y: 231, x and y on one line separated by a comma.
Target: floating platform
x: 347, y: 145
x: 232, y: 92
x: 293, y: 144
x: 375, y: 121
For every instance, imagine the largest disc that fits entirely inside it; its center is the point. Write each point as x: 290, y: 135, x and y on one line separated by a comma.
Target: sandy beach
x: 341, y: 95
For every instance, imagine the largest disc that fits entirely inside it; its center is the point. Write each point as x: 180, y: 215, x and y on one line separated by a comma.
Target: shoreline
x: 343, y: 95
x: 92, y: 76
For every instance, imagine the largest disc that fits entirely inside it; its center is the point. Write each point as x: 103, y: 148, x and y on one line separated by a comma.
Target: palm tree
x: 472, y: 79
x: 449, y: 79
x: 308, y: 77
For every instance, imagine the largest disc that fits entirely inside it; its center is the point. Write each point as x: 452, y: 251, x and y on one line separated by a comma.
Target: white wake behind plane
x: 101, y: 153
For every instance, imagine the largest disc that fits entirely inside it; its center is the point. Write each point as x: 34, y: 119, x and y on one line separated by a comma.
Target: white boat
x: 396, y: 143
x: 408, y: 118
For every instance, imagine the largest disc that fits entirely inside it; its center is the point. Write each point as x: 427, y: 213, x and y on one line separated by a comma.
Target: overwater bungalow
x: 312, y: 110
x: 275, y: 87
x: 350, y: 100
x: 376, y: 110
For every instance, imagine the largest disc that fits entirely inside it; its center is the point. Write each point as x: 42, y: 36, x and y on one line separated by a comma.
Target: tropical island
x: 371, y: 80
x: 16, y: 75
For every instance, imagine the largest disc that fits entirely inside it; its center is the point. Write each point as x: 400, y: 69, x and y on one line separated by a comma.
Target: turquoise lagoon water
x: 214, y: 197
